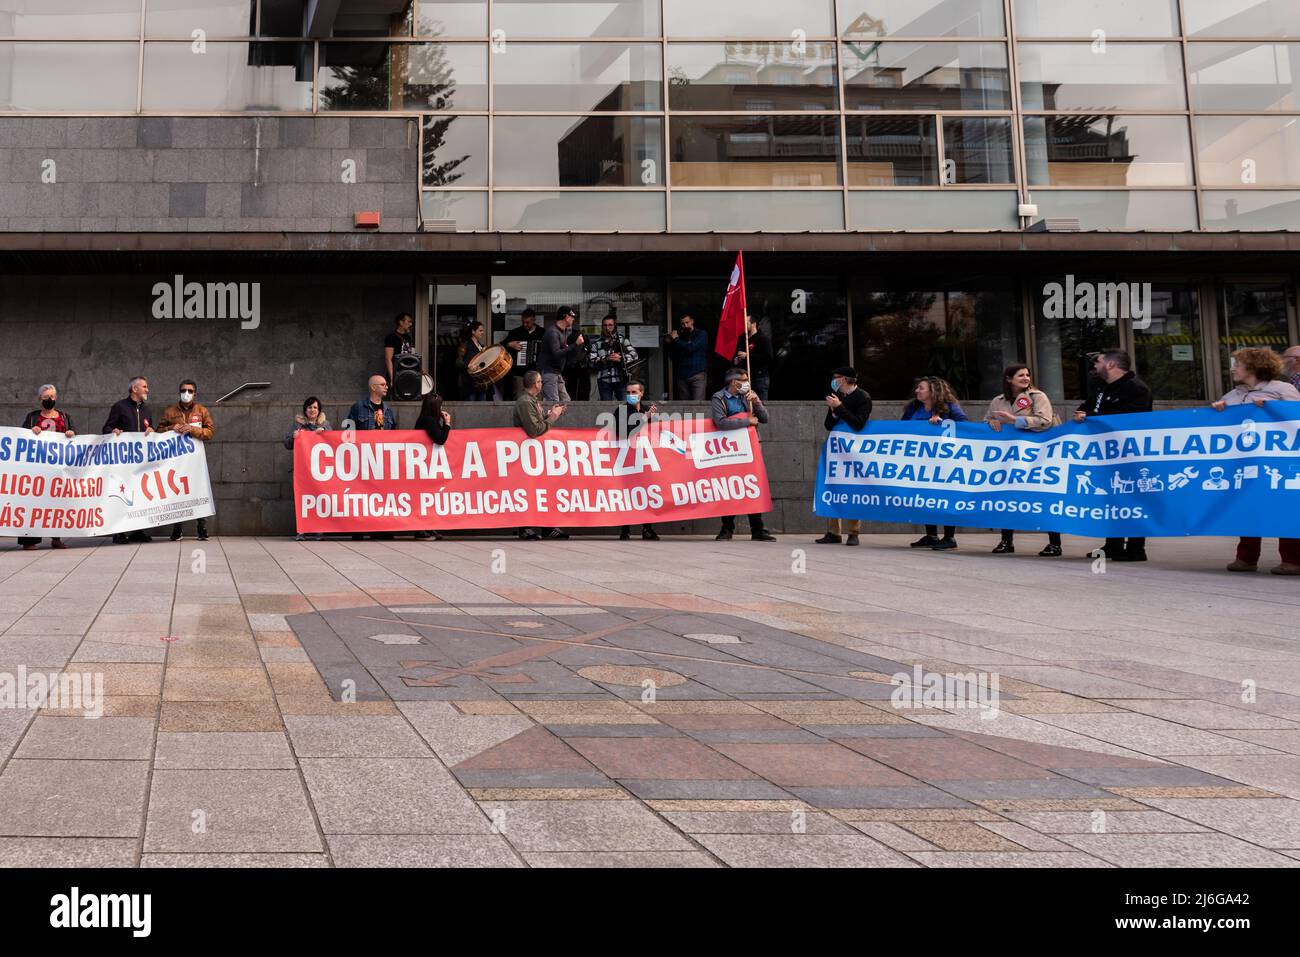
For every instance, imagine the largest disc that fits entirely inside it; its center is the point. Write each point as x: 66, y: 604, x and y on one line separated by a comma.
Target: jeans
x: 610, y: 391
x: 553, y: 390
x: 761, y: 384
x: 692, y: 388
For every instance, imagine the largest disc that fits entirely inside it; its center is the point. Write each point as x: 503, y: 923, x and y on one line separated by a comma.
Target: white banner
x: 51, y: 485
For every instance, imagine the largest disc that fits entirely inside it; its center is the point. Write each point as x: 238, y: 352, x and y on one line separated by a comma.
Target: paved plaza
x: 684, y: 703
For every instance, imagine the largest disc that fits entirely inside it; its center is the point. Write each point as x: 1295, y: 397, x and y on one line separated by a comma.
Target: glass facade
x: 1188, y: 107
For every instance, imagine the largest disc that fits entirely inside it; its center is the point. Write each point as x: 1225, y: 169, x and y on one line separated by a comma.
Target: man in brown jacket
x: 188, y: 417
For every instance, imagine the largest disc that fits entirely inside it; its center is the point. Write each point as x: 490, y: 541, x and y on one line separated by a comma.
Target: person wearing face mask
x: 188, y: 417
x: 629, y: 416
x: 47, y: 419
x: 852, y: 406
x: 131, y: 414
x: 737, y: 406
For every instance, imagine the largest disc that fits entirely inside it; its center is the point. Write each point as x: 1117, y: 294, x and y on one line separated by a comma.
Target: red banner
x: 500, y: 478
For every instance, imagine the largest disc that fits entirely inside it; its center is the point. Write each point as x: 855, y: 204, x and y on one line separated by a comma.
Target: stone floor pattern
x: 680, y: 703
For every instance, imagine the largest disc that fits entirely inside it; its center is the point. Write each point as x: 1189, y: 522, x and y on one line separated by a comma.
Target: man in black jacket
x: 757, y: 347
x: 633, y: 413
x: 555, y: 354
x: 1119, y: 392
x: 852, y: 406
x: 131, y: 414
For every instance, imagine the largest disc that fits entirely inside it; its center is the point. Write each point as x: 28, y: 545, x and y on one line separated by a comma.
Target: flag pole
x: 744, y: 308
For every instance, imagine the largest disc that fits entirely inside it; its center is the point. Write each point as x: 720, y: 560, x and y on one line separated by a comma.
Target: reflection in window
x: 1067, y: 336
x: 1116, y: 18
x: 403, y: 76
x: 1244, y: 76
x: 282, y: 18
x: 74, y: 19
x: 452, y: 18
x: 1069, y: 76
x: 576, y: 18
x: 1167, y: 209
x: 1081, y: 150
x: 1243, y: 150
x: 748, y: 18
x: 892, y: 151
x: 931, y: 209
x: 977, y: 149
x: 921, y: 18
x: 578, y: 151
x: 582, y: 77
x: 926, y: 76
x: 1241, y: 18
x: 1167, y: 344
x: 179, y: 18
x: 758, y: 75
x: 227, y: 77
x: 1254, y: 209
x: 964, y: 332
x: 69, y: 77
x: 778, y: 151
x: 1250, y: 314
x: 454, y: 150
x: 466, y: 209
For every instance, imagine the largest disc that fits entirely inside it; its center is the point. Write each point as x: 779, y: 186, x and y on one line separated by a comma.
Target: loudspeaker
x: 407, y: 360
x: 406, y: 385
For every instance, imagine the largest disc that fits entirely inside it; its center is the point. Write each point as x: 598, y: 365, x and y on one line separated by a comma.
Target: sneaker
x: 300, y: 537
x: 851, y: 540
x: 203, y: 535
x: 57, y: 543
x: 723, y: 536
x: 830, y: 538
x: 529, y: 535
x: 1286, y: 568
x: 1050, y: 551
x: 649, y: 535
x: 944, y: 544
x: 1004, y: 547
x: 1239, y: 566
x: 437, y: 536
x: 925, y: 541
x: 557, y: 535
x: 176, y: 534
x: 422, y: 536
x: 626, y: 533
x: 763, y: 536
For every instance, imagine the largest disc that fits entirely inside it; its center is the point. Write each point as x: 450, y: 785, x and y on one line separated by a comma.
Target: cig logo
x: 179, y: 299
x: 720, y: 446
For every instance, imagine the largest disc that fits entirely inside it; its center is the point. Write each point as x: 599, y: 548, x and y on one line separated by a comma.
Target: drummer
x: 471, y: 344
x: 523, y: 344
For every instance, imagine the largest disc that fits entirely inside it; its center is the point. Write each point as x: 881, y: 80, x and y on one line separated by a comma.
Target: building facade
x: 920, y: 187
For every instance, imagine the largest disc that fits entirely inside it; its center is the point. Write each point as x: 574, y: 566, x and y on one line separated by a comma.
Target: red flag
x: 732, y: 323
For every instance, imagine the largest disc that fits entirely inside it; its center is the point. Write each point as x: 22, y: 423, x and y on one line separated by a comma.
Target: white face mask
x: 744, y: 387
x: 187, y: 396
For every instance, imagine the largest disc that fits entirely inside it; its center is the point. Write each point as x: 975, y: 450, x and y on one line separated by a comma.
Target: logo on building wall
x: 179, y: 299
x: 1098, y: 300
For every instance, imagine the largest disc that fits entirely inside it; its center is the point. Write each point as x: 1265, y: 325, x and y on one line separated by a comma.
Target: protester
x: 1291, y: 365
x: 555, y: 354
x: 1021, y: 405
x: 1259, y: 378
x: 935, y: 402
x: 398, y: 342
x: 577, y: 374
x: 47, y: 419
x: 610, y: 356
x: 737, y: 406
x: 131, y: 414
x: 435, y: 422
x: 524, y: 342
x: 530, y: 416
x: 188, y: 417
x: 311, y: 419
x: 373, y: 413
x: 753, y: 344
x: 688, y: 348
x: 471, y: 344
x: 852, y: 406
x: 1119, y: 392
x: 629, y: 417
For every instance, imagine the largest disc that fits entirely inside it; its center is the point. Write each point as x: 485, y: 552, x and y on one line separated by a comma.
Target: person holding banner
x: 188, y: 417
x: 312, y: 419
x: 1291, y: 365
x: 852, y: 406
x: 737, y: 406
x: 629, y: 417
x: 131, y: 414
x: 1120, y: 392
x: 934, y: 401
x: 1259, y: 378
x: 530, y: 416
x: 47, y: 419
x: 1024, y: 407
x: 372, y: 413
x: 435, y: 422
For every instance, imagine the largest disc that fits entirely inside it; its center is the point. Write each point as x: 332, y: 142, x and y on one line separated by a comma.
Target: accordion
x: 527, y: 356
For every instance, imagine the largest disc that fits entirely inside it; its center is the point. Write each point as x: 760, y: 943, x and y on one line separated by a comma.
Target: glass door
x: 454, y: 304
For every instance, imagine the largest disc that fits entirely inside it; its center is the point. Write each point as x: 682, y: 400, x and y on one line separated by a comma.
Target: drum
x: 490, y: 366
x: 426, y: 384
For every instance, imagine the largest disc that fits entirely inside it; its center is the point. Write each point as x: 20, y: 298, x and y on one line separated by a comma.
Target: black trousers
x: 755, y: 523
x: 948, y: 531
x: 1125, y: 545
x: 1009, y: 535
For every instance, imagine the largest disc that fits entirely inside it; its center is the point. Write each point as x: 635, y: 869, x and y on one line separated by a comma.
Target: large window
x: 1167, y: 347
x: 578, y: 151
x: 575, y: 18
x: 748, y: 18
x: 759, y: 76
x: 1241, y: 18
x: 167, y: 19
x: 227, y: 77
x: 454, y: 151
x: 1245, y: 150
x: 74, y: 19
x: 1244, y: 76
x: 1251, y: 314
x: 1110, y: 76
x: 1109, y: 18
x: 892, y: 151
x: 926, y: 76
x: 763, y: 151
x: 1086, y: 150
x: 964, y: 330
x: 452, y: 18
x: 69, y: 77
x: 861, y: 19
x: 977, y: 149
x: 402, y: 76
x: 582, y: 77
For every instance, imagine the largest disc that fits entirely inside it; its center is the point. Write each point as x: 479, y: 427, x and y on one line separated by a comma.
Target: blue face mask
x: 835, y: 385
x: 632, y: 399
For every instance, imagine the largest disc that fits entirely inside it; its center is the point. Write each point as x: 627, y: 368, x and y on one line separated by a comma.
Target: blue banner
x: 1184, y: 472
